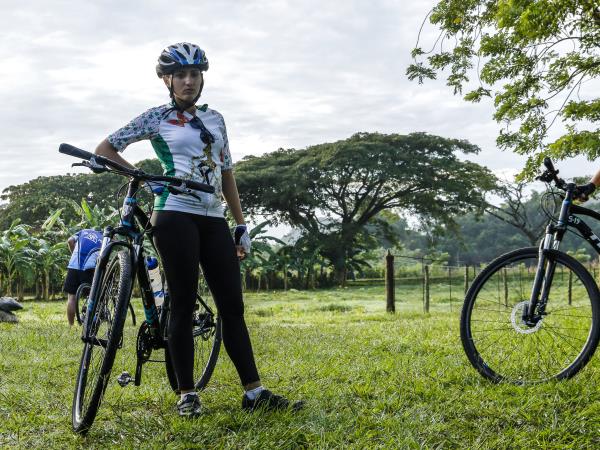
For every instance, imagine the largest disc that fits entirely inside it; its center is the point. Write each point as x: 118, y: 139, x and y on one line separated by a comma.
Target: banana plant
x: 16, y: 256
x: 93, y: 217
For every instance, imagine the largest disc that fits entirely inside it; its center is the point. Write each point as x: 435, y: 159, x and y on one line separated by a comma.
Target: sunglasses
x: 205, y: 136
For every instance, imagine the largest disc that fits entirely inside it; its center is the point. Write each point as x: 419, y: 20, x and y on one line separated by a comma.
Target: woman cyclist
x: 191, y: 142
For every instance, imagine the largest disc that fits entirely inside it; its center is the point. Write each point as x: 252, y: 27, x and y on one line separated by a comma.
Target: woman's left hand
x: 242, y: 240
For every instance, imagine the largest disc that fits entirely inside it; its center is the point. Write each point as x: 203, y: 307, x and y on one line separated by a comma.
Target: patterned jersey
x: 183, y: 154
x: 86, y: 249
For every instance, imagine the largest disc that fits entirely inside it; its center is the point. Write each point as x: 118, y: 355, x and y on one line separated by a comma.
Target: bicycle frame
x: 133, y: 235
x: 568, y: 217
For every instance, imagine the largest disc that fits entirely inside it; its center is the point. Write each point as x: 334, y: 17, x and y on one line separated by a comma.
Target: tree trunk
x: 9, y: 285
x: 285, y: 278
x: 340, y: 275
x: 46, y: 285
x: 258, y: 282
x: 308, y: 277
x: 20, y: 289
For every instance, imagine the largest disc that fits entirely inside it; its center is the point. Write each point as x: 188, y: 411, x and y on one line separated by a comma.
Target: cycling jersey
x: 86, y: 249
x: 183, y: 154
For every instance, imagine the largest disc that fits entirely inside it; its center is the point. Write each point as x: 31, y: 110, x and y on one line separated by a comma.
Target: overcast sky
x: 282, y: 73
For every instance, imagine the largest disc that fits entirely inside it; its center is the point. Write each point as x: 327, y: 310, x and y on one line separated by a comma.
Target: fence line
x: 430, y: 275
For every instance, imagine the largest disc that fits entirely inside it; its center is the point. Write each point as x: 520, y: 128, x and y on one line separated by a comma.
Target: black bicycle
x: 533, y: 314
x: 81, y: 299
x: 120, y: 261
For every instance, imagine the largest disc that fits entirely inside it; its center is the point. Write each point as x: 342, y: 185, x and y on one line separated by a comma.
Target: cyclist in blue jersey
x: 84, y: 246
x: 191, y: 142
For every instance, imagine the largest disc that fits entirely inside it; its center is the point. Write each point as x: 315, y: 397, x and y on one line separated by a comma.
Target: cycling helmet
x: 181, y: 55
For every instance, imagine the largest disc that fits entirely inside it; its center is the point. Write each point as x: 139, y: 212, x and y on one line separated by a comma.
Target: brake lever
x: 95, y: 167
x: 92, y: 165
x: 546, y: 177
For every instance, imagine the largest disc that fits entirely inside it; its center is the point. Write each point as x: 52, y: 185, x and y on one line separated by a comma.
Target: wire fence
x: 438, y: 285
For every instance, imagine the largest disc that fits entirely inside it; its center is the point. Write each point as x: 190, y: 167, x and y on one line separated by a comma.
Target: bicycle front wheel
x: 502, y: 347
x: 103, y: 333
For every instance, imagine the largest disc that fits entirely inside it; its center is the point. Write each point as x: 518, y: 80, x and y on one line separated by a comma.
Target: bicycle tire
x: 208, y: 330
x: 502, y: 348
x: 105, y: 330
x: 82, y: 291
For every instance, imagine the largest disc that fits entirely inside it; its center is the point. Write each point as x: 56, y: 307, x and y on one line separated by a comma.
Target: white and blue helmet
x: 179, y: 56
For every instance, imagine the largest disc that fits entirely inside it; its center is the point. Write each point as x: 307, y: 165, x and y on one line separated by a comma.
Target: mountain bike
x: 533, y: 314
x: 120, y: 261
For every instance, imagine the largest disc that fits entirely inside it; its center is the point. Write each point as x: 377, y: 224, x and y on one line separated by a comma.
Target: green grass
x: 370, y: 379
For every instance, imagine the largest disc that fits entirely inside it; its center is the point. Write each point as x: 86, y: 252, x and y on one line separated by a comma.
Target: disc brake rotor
x: 516, y: 318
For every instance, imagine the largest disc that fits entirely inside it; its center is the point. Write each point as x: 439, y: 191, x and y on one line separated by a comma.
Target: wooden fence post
x: 466, y: 279
x: 505, y: 280
x: 450, y: 284
x: 570, y: 288
x: 426, y: 282
x: 389, y: 283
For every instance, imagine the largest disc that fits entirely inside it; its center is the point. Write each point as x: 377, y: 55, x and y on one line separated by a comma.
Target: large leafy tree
x: 521, y: 210
x: 34, y: 201
x: 332, y: 191
x: 534, y: 58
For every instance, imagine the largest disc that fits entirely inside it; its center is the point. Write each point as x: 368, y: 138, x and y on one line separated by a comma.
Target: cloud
x: 283, y: 74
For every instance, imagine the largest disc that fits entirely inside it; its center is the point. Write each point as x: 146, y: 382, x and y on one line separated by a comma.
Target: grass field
x: 370, y: 380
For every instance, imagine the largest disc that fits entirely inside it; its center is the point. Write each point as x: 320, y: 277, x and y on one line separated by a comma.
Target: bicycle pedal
x: 124, y: 379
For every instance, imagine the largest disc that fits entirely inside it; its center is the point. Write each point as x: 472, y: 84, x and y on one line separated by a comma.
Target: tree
x: 537, y: 54
x: 49, y: 259
x: 16, y: 256
x: 332, y: 191
x: 33, y: 202
x: 522, y: 212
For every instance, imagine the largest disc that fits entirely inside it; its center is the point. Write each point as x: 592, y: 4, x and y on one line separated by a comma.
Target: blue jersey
x: 86, y: 249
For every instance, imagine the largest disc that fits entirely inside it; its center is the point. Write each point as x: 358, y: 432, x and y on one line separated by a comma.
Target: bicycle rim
x: 81, y: 299
x: 498, y: 342
x: 207, y: 334
x: 105, y: 326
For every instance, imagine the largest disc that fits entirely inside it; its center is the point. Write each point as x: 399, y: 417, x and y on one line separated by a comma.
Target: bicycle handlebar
x: 549, y: 165
x: 71, y: 150
x: 551, y: 174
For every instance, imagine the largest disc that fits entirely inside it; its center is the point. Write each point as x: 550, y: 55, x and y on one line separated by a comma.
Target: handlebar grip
x: 549, y: 165
x: 200, y: 186
x: 68, y: 149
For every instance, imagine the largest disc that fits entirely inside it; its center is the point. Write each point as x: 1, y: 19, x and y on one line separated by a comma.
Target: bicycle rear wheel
x: 81, y: 299
x: 207, y: 344
x: 502, y: 347
x: 103, y: 330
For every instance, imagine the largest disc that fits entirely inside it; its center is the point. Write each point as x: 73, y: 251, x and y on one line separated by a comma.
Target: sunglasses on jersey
x: 205, y: 136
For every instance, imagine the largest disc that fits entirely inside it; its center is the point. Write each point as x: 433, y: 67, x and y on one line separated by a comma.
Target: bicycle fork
x: 544, y: 274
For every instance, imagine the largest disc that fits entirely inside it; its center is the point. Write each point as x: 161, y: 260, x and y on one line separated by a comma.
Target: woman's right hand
x: 583, y: 192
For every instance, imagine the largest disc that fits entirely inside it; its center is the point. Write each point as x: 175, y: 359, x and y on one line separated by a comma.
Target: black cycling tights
x: 184, y: 240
